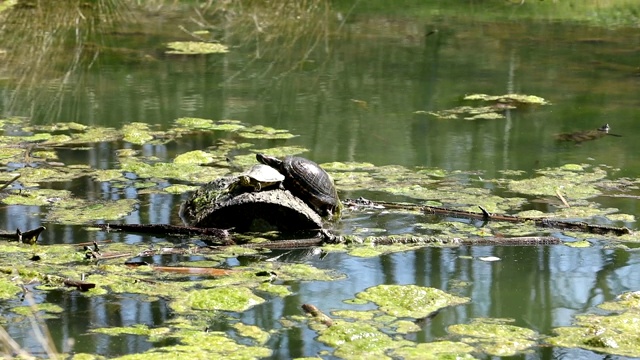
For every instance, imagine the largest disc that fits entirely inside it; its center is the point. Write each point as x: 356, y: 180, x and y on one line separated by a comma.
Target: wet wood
x: 486, y: 216
x: 317, y: 314
x: 195, y: 270
x: 166, y: 229
x: 5, y: 185
x: 424, y: 240
x: 80, y: 285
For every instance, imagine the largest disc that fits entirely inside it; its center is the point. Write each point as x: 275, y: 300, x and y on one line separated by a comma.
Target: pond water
x: 357, y: 91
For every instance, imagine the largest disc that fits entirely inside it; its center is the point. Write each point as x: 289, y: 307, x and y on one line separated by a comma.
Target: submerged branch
x: 317, y: 314
x: 166, y: 229
x: 486, y: 216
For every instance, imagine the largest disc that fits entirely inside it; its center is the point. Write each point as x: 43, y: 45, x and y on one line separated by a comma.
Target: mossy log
x: 274, y: 210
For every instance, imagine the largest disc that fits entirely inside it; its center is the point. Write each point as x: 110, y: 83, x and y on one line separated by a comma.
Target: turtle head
x: 272, y: 161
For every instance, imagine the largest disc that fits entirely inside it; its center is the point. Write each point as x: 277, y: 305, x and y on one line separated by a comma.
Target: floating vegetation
x: 199, y: 287
x: 489, y: 112
x: 574, y: 181
x: 80, y: 211
x: 615, y: 334
x: 264, y: 132
x: 509, y: 99
x: 195, y: 48
x: 495, y: 336
x: 358, y: 340
x: 137, y: 133
x: 435, y: 350
x: 410, y: 300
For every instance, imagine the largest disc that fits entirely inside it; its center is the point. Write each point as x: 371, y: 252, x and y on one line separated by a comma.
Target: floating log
x: 80, y: 285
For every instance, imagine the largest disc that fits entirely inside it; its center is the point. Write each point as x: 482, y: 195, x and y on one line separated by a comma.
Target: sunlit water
x: 578, y: 69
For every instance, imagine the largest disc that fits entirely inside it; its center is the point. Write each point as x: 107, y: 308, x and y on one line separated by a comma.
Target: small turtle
x: 308, y: 181
x: 259, y: 177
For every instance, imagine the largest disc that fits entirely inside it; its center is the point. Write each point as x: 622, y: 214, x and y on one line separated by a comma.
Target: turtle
x: 308, y: 181
x: 259, y: 177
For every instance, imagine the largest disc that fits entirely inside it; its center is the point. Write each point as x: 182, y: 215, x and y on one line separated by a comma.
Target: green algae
x: 356, y: 315
x: 358, y: 340
x: 43, y: 308
x: 160, y: 170
x: 303, y: 272
x: 225, y: 299
x: 136, y: 329
x: 30, y: 176
x: 179, y: 189
x: 36, y: 197
x: 264, y: 132
x: 195, y: 48
x: 251, y: 331
x: 137, y: 133
x: 282, y: 151
x: 410, y: 300
x: 78, y: 211
x: 509, y: 98
x: 495, y: 336
x: 578, y: 244
x: 8, y: 289
x: 278, y: 290
x: 198, y: 344
x: 194, y: 157
x: 405, y: 326
x: 574, y: 187
x: 108, y: 175
x: 435, y: 351
x: 616, y: 333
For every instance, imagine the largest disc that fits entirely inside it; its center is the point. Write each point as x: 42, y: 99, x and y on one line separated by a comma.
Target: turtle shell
x: 261, y: 176
x: 308, y: 181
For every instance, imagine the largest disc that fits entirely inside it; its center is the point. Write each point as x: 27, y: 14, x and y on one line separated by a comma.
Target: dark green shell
x: 308, y: 181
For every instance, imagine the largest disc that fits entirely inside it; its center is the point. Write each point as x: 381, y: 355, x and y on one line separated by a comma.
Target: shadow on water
x: 349, y: 80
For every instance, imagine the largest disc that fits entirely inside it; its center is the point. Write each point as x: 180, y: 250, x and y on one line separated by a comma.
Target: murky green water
x: 357, y: 95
